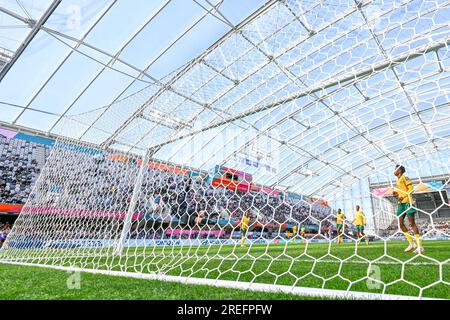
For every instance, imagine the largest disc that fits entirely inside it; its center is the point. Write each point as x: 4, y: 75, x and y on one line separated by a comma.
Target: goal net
x: 236, y: 172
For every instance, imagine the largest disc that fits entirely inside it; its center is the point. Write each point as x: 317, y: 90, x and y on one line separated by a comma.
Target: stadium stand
x: 170, y: 196
x: 5, y: 228
x: 20, y: 165
x: 441, y: 227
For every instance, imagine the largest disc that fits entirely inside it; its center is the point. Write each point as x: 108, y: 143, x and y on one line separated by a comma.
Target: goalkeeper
x: 405, y: 208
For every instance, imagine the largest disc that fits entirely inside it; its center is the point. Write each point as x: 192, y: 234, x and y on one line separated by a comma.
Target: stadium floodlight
x: 354, y: 98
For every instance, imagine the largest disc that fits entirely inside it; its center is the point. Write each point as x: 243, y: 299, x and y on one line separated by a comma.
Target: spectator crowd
x: 81, y: 179
x: 5, y: 228
x: 18, y: 169
x: 441, y: 228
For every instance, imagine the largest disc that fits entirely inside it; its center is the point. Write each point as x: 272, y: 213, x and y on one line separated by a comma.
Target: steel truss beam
x: 353, y: 77
x: 188, y: 67
x: 238, y: 30
x: 36, y: 26
x: 316, y: 190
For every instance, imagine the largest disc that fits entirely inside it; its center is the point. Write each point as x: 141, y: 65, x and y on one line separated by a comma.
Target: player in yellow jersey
x: 340, y: 217
x: 244, y: 227
x: 294, y: 233
x: 405, y: 208
x: 303, y: 233
x: 360, y: 222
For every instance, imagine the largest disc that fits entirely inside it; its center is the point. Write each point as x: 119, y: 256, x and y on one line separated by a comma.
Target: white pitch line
x: 198, y: 258
x: 260, y: 287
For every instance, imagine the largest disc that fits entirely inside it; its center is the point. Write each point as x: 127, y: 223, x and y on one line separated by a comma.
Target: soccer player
x: 294, y: 231
x: 340, y: 217
x: 244, y: 227
x: 405, y: 208
x: 302, y: 233
x: 360, y: 223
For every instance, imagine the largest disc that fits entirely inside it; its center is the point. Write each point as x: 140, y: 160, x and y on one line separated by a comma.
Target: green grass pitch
x: 328, y: 266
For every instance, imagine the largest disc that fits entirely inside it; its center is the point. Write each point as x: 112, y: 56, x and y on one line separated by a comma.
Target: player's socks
x: 412, y: 244
x: 418, y: 240
x: 408, y: 237
x: 367, y: 239
x: 242, y: 241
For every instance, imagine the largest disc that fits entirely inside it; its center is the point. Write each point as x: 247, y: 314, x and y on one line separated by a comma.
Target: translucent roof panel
x: 88, y: 54
x: 14, y: 31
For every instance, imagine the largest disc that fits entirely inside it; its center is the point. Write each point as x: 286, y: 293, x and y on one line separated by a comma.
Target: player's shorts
x: 244, y: 232
x: 360, y: 228
x: 405, y: 209
x: 339, y: 226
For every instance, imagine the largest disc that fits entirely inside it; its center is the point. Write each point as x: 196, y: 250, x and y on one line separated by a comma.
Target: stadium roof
x: 324, y: 91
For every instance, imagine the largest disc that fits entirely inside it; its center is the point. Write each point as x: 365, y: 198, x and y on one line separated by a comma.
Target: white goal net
x: 268, y: 162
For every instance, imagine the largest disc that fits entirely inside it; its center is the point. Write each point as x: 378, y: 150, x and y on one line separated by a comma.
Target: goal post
x: 132, y: 206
